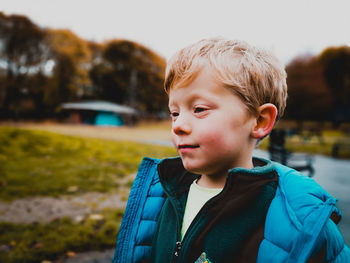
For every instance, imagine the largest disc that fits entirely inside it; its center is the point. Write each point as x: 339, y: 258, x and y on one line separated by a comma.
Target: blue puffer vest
x: 300, y: 210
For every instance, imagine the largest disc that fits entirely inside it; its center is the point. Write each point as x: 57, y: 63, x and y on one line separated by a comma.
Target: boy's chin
x: 191, y: 168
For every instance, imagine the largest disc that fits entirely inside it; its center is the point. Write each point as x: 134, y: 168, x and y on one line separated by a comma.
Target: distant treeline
x: 41, y: 68
x: 319, y: 86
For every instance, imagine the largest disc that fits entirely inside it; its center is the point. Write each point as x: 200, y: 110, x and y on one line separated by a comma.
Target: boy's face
x: 211, y: 127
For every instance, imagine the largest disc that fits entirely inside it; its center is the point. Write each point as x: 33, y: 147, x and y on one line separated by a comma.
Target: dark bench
x: 341, y: 148
x: 278, y: 153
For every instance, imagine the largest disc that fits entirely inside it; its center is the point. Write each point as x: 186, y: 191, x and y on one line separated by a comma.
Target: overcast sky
x: 288, y: 28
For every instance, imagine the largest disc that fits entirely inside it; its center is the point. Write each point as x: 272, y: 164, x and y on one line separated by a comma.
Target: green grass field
x: 309, y: 143
x: 38, y: 163
x: 45, y: 242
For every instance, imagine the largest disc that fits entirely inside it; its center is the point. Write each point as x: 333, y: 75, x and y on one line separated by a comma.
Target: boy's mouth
x: 187, y: 146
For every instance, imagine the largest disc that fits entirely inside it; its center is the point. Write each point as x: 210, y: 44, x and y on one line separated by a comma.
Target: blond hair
x: 254, y: 74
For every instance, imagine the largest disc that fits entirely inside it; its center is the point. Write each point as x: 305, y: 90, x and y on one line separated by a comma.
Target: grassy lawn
x: 41, y: 163
x: 323, y: 145
x: 46, y: 242
x: 38, y: 163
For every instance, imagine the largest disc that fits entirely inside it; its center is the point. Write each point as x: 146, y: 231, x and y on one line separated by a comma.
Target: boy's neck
x: 217, y: 180
x: 209, y: 182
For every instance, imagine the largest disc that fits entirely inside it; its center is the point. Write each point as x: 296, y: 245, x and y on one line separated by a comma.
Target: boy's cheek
x: 173, y: 140
x: 212, y: 140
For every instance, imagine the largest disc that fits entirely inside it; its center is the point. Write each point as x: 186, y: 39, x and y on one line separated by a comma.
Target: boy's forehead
x: 183, y: 77
x: 171, y: 101
x: 193, y: 75
x: 182, y: 93
x: 203, y: 87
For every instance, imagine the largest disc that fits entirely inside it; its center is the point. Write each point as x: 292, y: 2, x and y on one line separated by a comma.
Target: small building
x: 99, y: 113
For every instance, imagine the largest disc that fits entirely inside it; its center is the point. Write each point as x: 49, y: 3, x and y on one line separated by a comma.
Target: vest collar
x: 176, y: 179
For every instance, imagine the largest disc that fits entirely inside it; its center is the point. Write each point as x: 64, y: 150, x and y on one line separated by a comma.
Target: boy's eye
x: 174, y: 114
x: 199, y: 109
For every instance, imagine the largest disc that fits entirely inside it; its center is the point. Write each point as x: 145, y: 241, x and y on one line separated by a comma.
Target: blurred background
x: 82, y: 101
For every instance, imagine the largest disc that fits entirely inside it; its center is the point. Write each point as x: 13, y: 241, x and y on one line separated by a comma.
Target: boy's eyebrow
x: 170, y: 104
x: 189, y: 99
x: 193, y: 97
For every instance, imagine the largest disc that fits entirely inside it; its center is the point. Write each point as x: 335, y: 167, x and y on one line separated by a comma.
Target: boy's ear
x: 265, y: 120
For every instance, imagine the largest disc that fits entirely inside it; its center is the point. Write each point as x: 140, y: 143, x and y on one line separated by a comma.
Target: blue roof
x: 99, y: 106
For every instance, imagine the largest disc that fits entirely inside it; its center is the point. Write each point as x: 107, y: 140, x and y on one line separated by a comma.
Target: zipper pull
x: 177, y: 248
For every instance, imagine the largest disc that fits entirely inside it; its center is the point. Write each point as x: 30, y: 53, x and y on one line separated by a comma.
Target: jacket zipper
x: 179, y: 243
x: 177, y: 249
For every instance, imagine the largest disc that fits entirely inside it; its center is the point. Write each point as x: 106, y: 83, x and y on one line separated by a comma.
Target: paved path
x: 334, y: 176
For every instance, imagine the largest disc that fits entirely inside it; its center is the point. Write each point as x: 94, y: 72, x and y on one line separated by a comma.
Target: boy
x: 216, y: 203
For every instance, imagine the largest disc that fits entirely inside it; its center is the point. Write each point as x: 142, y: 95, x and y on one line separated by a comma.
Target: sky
x: 287, y: 27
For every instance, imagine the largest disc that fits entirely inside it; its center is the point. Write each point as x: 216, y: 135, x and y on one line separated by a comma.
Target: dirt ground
x: 77, y: 207
x: 105, y: 256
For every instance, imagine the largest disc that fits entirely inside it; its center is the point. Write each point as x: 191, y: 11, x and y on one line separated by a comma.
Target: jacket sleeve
x: 303, y: 211
x: 343, y: 256
x: 336, y: 249
x: 140, y: 218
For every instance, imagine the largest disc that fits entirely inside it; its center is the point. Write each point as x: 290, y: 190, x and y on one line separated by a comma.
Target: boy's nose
x: 181, y: 126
